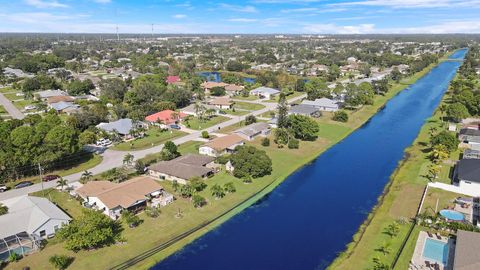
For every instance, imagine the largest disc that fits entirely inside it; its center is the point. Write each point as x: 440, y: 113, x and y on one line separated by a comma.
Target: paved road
x: 11, y: 109
x: 113, y: 159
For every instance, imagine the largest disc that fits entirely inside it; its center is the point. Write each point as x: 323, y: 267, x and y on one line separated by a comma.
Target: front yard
x: 248, y: 106
x: 153, y: 136
x: 197, y: 124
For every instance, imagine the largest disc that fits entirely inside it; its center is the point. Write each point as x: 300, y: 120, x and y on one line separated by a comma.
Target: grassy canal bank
x: 154, y: 232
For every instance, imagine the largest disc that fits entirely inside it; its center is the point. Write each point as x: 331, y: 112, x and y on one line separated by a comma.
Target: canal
x: 308, y: 219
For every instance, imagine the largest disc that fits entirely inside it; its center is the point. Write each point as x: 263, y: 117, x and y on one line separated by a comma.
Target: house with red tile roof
x: 166, y: 117
x: 173, y: 79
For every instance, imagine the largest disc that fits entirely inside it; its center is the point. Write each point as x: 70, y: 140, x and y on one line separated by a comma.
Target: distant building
x: 223, y: 103
x: 16, y: 73
x: 467, y: 175
x: 183, y: 168
x: 221, y: 145
x: 323, y: 104
x: 123, y: 127
x: 253, y: 130
x: 44, y: 95
x: 264, y: 92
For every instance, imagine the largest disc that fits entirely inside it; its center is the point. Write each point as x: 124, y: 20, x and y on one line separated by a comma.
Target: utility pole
x: 40, y: 172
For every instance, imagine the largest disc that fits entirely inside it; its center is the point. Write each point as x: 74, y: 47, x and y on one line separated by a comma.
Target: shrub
x: 197, y: 184
x: 152, y: 212
x: 250, y: 120
x: 223, y: 159
x: 340, y: 116
x: 265, y: 142
x: 229, y: 187
x: 447, y: 139
x: 293, y: 144
x: 60, y: 262
x: 205, y: 134
x: 198, y: 201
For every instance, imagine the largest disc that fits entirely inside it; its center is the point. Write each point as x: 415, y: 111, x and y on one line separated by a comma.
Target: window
x: 468, y: 182
x: 42, y: 233
x: 55, y: 228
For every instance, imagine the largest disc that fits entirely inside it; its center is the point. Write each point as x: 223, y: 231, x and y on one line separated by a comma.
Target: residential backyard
x: 197, y: 124
x: 153, y: 136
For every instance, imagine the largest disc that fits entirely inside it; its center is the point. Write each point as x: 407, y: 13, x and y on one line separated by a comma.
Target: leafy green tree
x: 77, y: 87
x: 92, y: 229
x: 198, y: 201
x: 60, y: 262
x: 250, y: 119
x: 282, y: 111
x: 139, y: 166
x: 186, y: 191
x: 265, y: 142
x: 300, y: 85
x: 197, y: 184
x: 433, y: 171
x: 152, y: 212
x: 248, y: 160
x: 229, y: 187
x: 303, y: 127
x: 169, y: 151
x: 293, y: 144
x: 205, y: 134
x: 175, y: 185
x: 113, y: 89
x: 87, y: 137
x: 317, y: 88
x: 217, y: 191
x: 457, y: 112
x: 447, y: 139
x: 218, y: 91
x: 385, y: 248
x: 340, y: 116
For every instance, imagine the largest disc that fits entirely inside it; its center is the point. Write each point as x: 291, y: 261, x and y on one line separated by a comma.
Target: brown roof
x: 180, y: 170
x: 194, y: 159
x: 467, y: 251
x: 56, y: 99
x: 209, y: 85
x: 233, y: 88
x: 221, y: 101
x: 123, y: 194
x: 222, y: 143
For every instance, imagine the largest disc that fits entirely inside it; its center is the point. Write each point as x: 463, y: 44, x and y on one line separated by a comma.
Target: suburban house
x: 264, y: 92
x: 183, y: 168
x: 44, y: 95
x: 29, y: 220
x: 468, y: 135
x: 466, y: 251
x: 467, y: 174
x: 56, y: 99
x: 124, y: 127
x: 306, y: 110
x: 221, y: 145
x: 323, y: 104
x: 16, y: 73
x: 165, y: 118
x: 223, y: 103
x: 207, y: 86
x: 233, y: 89
x: 253, y: 130
x: 132, y: 195
x: 471, y: 154
x: 64, y: 107
x: 192, y: 110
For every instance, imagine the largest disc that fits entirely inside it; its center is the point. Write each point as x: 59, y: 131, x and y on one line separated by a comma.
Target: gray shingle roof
x: 266, y: 90
x: 180, y: 170
x: 321, y: 102
x: 194, y: 159
x: 303, y: 109
x: 467, y: 251
x: 253, y: 129
x: 122, y: 126
x: 469, y: 170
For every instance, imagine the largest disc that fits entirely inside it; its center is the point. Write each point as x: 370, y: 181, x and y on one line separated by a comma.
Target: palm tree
x: 199, y: 110
x: 217, y: 191
x: 128, y: 159
x: 393, y: 229
x: 3, y: 209
x: 61, y: 183
x: 385, y: 248
x: 86, y: 176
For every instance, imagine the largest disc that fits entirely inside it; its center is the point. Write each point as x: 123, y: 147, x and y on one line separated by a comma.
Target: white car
x: 3, y: 188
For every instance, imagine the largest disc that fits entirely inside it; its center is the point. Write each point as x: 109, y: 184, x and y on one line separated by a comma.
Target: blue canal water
x: 308, y: 219
x: 217, y: 77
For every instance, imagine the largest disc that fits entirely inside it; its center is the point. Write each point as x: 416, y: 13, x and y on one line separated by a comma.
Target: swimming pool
x: 452, y: 215
x: 436, y: 251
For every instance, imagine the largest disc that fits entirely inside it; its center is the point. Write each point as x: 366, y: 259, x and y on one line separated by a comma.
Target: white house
x: 253, y: 130
x: 183, y: 168
x: 36, y: 216
x: 221, y: 145
x: 323, y: 104
x: 265, y: 92
x: 467, y: 175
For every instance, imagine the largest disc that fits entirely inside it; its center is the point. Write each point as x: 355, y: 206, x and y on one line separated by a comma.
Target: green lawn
x: 153, y: 232
x: 189, y: 147
x: 62, y: 199
x: 13, y: 96
x: 6, y: 89
x: 153, y: 136
x: 2, y: 110
x: 248, y: 106
x: 197, y: 124
x: 249, y: 98
x: 22, y: 103
x: 235, y: 112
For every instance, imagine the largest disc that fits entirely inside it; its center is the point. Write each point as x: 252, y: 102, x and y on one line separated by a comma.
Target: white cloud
x: 246, y: 9
x: 312, y: 10
x: 331, y: 28
x: 412, y: 3
x: 179, y: 16
x: 45, y: 4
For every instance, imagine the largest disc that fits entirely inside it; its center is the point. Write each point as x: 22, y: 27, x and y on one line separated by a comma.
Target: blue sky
x: 250, y: 16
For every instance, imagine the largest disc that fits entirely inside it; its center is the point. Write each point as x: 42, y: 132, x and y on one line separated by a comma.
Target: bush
x: 447, y: 139
x: 197, y: 184
x: 340, y: 116
x: 303, y: 127
x: 130, y: 218
x: 60, y: 262
x: 250, y: 120
x: 293, y: 144
x: 247, y: 179
x: 222, y: 159
x: 265, y: 142
x: 229, y: 187
x: 205, y: 134
x: 198, y: 201
x: 152, y: 212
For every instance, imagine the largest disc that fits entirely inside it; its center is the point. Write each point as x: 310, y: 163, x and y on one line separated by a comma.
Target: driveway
x: 114, y: 158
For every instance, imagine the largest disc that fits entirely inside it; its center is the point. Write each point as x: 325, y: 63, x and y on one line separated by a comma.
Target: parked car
x: 104, y: 142
x: 175, y: 127
x: 50, y: 177
x: 23, y: 184
x: 3, y: 188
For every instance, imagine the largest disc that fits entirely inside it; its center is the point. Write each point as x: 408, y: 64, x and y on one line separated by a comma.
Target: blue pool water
x: 436, y: 251
x: 452, y: 215
x: 308, y: 219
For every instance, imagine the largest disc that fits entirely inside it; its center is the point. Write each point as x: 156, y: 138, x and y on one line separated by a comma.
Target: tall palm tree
x: 86, y: 176
x: 61, y: 183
